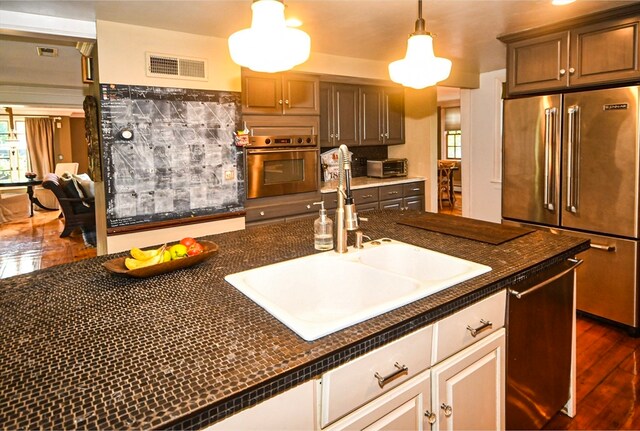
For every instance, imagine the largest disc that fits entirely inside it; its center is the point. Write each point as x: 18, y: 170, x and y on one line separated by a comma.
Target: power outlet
x: 229, y: 174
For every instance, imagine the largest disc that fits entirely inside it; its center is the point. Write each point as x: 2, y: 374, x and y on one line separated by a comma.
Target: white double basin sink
x: 322, y: 293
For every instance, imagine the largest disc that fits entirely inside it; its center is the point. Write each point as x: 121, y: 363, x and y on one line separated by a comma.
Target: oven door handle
x: 281, y: 150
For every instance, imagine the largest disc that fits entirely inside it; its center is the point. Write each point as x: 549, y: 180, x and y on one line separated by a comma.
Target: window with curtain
x: 452, y: 133
x: 14, y: 156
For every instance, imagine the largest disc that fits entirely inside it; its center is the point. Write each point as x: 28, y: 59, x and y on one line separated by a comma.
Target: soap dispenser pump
x: 323, y: 230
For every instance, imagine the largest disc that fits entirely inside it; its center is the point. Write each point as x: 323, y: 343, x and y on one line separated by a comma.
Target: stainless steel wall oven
x: 281, y: 165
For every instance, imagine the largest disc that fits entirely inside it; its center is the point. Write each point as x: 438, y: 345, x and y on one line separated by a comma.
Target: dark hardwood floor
x: 608, y: 360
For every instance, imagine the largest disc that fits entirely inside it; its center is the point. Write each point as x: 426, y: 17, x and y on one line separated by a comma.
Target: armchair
x: 78, y: 211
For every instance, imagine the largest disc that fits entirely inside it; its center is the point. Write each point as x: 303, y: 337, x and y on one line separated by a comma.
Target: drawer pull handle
x: 603, y: 247
x: 431, y: 417
x: 483, y: 327
x: 367, y: 196
x: 415, y: 190
x: 383, y: 380
x: 393, y: 193
x: 447, y: 409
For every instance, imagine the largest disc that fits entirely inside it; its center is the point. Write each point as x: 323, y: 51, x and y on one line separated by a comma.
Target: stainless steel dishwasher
x: 540, y: 316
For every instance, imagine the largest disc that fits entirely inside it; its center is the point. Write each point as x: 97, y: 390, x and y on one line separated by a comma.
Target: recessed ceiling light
x: 561, y: 2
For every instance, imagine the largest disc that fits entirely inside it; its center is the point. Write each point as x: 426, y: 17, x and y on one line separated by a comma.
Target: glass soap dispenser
x: 323, y: 230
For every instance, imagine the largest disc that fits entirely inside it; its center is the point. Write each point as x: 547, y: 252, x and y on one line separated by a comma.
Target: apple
x: 195, y: 248
x: 178, y: 251
x: 188, y: 241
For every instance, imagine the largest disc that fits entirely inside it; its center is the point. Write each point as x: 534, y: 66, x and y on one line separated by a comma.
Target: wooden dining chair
x: 445, y: 185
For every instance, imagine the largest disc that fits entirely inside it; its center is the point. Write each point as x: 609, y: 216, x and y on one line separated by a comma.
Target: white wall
x: 482, y: 148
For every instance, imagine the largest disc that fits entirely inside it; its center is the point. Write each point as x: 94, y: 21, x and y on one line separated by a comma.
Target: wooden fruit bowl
x: 117, y: 265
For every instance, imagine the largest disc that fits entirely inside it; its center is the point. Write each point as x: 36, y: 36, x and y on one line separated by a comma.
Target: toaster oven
x: 387, y: 168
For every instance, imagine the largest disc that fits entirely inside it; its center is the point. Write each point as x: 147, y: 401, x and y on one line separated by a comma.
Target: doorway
x: 449, y: 151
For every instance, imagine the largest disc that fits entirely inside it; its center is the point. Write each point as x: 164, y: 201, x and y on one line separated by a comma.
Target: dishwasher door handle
x: 520, y: 295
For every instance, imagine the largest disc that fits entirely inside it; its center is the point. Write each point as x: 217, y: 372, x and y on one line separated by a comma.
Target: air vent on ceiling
x: 169, y: 66
x: 45, y: 51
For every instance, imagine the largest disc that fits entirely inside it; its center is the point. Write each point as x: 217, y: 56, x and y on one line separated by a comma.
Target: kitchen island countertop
x: 83, y: 348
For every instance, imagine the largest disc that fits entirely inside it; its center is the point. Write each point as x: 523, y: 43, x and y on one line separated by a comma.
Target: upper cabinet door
x: 280, y: 93
x: 261, y: 93
x: 371, y: 106
x: 394, y: 116
x: 301, y: 94
x: 608, y: 51
x: 346, y: 114
x: 538, y: 64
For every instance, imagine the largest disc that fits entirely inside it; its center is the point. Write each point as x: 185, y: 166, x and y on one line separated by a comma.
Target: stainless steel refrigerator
x: 570, y: 165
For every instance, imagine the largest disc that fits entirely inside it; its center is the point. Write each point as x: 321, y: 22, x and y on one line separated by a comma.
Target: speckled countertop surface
x: 86, y: 349
x: 364, y: 182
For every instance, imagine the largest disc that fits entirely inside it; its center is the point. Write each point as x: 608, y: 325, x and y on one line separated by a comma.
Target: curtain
x: 40, y: 144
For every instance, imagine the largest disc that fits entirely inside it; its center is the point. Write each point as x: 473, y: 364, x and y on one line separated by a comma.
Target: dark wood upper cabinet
x: 280, y: 93
x: 354, y: 114
x: 371, y: 100
x: 339, y: 115
x: 598, y: 49
x: 393, y: 119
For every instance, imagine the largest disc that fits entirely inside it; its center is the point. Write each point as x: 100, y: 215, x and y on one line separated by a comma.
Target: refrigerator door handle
x: 549, y: 133
x: 572, y: 204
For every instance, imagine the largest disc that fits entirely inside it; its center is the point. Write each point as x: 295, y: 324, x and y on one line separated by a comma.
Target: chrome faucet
x: 346, y: 216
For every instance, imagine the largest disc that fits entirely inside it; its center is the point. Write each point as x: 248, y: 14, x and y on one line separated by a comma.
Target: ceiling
x: 372, y: 29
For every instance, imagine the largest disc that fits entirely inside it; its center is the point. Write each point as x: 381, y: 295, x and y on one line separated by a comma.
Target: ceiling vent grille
x: 168, y: 66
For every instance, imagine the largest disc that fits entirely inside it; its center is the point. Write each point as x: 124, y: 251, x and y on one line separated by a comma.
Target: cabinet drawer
x: 413, y: 189
x: 391, y: 204
x: 282, y: 210
x: 353, y: 384
x: 390, y: 192
x: 364, y: 196
x: 330, y: 200
x: 453, y: 333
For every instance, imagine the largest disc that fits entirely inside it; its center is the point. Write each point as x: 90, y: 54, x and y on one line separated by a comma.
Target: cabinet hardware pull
x: 431, y: 417
x: 383, y: 380
x: 562, y: 72
x: 572, y: 70
x: 367, y: 196
x: 261, y: 213
x: 393, y: 193
x: 280, y: 102
x: 415, y: 190
x: 484, y: 325
x: 286, y: 101
x: 520, y: 295
x: 603, y: 247
x: 447, y: 409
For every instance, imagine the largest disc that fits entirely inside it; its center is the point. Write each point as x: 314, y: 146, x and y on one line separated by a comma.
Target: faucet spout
x: 346, y: 215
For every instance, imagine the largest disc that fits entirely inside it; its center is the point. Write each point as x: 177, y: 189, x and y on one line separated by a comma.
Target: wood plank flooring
x: 34, y: 243
x: 456, y: 209
x: 608, y: 360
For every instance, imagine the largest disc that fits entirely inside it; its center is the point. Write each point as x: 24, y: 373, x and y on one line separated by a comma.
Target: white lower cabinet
x: 399, y: 409
x: 468, y: 388
x: 446, y: 376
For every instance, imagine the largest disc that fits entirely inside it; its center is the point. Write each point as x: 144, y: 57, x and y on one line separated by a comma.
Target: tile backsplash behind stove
x: 361, y: 155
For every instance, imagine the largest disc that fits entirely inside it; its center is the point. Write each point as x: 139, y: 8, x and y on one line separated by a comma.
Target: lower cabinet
x: 468, y: 388
x: 404, y: 196
x: 403, y: 408
x: 405, y: 385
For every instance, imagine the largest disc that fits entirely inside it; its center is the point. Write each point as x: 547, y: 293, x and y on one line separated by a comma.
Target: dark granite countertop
x: 84, y: 348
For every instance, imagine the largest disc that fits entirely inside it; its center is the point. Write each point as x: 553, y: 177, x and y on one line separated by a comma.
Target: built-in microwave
x: 387, y: 168
x: 281, y: 165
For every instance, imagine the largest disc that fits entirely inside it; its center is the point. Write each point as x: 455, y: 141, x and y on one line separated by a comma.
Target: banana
x: 138, y: 254
x: 159, y: 256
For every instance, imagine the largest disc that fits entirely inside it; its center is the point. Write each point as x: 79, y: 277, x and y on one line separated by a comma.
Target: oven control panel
x: 282, y: 141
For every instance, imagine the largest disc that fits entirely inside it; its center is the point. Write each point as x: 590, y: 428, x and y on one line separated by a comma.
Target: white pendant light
x: 420, y: 68
x: 269, y: 45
